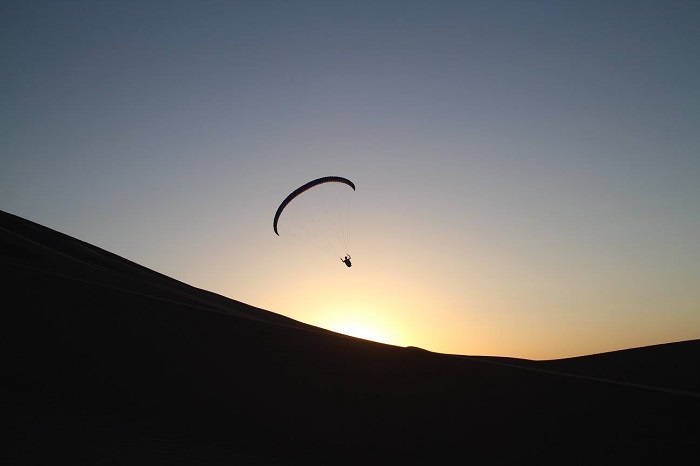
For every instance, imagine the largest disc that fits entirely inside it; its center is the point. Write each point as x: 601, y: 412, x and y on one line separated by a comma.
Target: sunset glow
x: 359, y: 330
x: 357, y: 321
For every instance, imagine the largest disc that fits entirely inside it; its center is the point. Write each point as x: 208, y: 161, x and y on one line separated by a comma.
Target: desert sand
x: 108, y: 362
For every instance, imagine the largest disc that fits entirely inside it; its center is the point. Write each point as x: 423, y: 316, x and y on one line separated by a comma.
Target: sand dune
x: 108, y: 362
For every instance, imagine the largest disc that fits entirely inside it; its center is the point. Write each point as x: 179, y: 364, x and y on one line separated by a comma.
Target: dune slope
x: 107, y: 361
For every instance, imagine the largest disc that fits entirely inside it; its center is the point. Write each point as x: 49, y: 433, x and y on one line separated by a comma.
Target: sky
x: 526, y: 171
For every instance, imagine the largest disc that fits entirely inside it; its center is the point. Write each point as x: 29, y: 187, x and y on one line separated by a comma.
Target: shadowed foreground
x: 107, y: 362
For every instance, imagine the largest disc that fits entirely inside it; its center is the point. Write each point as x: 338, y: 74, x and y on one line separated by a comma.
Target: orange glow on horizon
x: 360, y: 330
x: 356, y: 320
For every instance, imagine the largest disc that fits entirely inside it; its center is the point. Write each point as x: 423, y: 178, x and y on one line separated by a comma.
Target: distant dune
x: 108, y: 362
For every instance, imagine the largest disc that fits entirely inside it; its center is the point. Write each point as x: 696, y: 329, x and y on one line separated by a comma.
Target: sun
x: 356, y: 317
x: 359, y: 329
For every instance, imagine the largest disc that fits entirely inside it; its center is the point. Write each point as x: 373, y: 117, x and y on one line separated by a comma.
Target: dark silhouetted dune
x: 108, y: 362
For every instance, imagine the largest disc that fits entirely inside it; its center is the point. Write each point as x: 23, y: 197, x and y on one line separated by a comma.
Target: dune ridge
x: 111, y: 362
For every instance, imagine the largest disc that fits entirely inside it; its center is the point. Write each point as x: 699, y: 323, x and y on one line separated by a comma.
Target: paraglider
x: 318, y: 213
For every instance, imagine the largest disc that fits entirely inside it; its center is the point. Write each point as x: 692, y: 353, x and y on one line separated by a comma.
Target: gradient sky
x: 528, y: 172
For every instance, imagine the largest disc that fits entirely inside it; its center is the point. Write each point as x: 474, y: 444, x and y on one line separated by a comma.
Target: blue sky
x: 526, y: 171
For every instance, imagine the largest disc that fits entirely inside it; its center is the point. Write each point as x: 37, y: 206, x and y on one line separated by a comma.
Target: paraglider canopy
x: 306, y: 187
x: 317, y: 212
